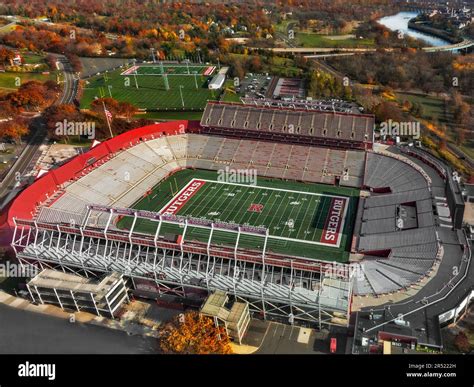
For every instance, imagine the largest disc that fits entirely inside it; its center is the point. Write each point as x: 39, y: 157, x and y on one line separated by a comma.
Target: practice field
x: 306, y: 220
x: 152, y: 94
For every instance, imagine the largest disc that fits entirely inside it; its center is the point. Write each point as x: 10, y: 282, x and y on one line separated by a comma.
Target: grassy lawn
x: 433, y: 108
x: 283, y: 25
x: 8, y: 79
x: 171, y: 115
x: 33, y: 58
x: 229, y: 93
x: 318, y: 40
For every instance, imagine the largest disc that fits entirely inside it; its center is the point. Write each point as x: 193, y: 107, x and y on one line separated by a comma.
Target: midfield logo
x: 255, y: 207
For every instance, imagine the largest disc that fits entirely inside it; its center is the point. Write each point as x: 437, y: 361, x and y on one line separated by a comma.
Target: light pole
x: 195, y: 79
x: 199, y: 55
x: 181, y: 94
x: 135, y: 73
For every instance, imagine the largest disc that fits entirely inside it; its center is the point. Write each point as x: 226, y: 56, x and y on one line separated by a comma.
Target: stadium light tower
x: 195, y: 80
x: 181, y: 94
x: 198, y: 50
x: 135, y: 73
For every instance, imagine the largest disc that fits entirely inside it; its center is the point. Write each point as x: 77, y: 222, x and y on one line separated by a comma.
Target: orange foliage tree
x: 14, y: 129
x: 192, y: 333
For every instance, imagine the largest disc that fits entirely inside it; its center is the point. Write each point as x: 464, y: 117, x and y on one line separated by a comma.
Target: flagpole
x: 107, y: 119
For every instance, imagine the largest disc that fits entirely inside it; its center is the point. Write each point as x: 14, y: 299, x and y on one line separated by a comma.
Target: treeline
x: 385, y: 38
x: 137, y: 17
x: 334, y: 16
x: 427, y: 29
x: 408, y: 70
x: 81, y: 43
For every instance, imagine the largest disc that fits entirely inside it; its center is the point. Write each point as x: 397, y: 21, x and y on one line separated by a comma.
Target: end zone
x: 178, y: 202
x: 335, y: 220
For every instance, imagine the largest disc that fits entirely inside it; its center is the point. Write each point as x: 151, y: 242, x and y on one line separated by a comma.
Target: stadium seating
x: 323, y: 125
x: 413, y: 252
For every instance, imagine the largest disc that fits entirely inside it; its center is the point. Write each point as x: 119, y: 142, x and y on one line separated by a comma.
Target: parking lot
x: 255, y: 85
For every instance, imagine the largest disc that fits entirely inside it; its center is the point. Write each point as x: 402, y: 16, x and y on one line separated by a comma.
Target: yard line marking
x: 282, y: 213
x: 272, y: 218
x: 225, y: 199
x: 308, y: 207
x: 244, y: 196
x: 201, y: 199
x: 291, y: 212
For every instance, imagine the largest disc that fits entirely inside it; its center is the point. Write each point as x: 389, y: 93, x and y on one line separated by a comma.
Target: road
x: 70, y: 84
x: 465, y: 44
x: 24, y: 162
x: 25, y: 332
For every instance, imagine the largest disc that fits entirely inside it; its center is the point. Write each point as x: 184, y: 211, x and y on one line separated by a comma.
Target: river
x: 399, y: 22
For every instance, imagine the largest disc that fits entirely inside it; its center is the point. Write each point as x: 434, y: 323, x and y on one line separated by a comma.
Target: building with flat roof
x: 71, y: 291
x: 236, y: 320
x: 217, y: 82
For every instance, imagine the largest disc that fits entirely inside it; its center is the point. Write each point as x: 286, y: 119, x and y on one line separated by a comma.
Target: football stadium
x: 293, y: 210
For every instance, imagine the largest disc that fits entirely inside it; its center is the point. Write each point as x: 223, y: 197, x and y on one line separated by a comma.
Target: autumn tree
x: 388, y: 110
x: 461, y: 342
x: 14, y: 129
x: 461, y: 110
x: 112, y: 105
x: 127, y: 110
x: 192, y: 333
x: 58, y: 114
x: 6, y: 55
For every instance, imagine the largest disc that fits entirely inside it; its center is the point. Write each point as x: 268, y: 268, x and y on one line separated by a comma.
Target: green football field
x: 296, y: 215
x: 152, y: 94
